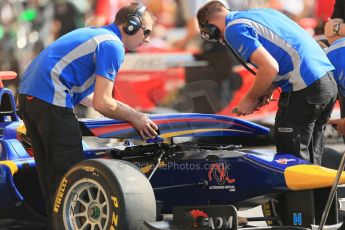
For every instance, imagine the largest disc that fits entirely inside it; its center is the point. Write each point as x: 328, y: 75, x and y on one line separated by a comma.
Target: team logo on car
x: 220, y: 174
x: 210, y: 218
x: 196, y: 218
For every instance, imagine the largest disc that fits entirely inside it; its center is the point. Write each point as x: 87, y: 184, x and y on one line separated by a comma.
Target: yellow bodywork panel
x: 185, y: 132
x: 302, y: 177
x: 13, y: 166
x: 21, y: 129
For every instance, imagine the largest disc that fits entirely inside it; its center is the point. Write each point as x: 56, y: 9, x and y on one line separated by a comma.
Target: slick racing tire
x: 103, y: 194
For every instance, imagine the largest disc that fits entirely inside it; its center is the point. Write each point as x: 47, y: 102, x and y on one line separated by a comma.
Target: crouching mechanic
x: 287, y: 57
x: 80, y: 63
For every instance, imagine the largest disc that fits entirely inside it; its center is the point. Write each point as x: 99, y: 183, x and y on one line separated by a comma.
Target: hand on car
x: 145, y: 126
x: 267, y: 97
x: 246, y: 106
x: 264, y: 100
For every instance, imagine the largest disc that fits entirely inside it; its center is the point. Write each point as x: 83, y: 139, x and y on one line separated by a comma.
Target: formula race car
x: 128, y: 184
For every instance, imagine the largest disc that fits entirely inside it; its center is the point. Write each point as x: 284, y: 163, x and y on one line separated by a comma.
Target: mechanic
x: 335, y: 54
x: 285, y: 56
x: 334, y: 31
x: 79, y: 67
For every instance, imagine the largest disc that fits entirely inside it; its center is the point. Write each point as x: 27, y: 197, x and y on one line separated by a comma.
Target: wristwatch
x: 336, y: 28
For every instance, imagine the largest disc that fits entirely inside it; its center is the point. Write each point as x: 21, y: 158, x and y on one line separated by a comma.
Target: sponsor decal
x: 221, y: 223
x: 231, y: 188
x: 59, y: 195
x: 266, y: 209
x: 297, y: 218
x: 206, y: 217
x: 220, y: 174
x: 114, y: 216
x: 196, y: 218
x: 284, y: 161
x: 88, y: 169
x: 285, y: 130
x: 200, y: 219
x: 111, y: 71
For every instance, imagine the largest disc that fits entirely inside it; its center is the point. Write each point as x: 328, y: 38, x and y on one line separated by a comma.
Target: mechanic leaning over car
x: 287, y: 57
x: 334, y: 31
x: 67, y: 72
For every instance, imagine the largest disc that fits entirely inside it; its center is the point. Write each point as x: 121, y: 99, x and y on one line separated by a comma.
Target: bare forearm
x: 125, y: 112
x: 262, y: 83
x: 116, y: 110
x: 104, y: 103
x: 267, y: 70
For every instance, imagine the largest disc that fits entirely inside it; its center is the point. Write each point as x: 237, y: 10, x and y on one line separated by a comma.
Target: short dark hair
x: 122, y: 14
x: 208, y: 10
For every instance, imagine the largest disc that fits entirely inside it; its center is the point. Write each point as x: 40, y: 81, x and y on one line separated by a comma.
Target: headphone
x: 133, y: 22
x: 210, y: 33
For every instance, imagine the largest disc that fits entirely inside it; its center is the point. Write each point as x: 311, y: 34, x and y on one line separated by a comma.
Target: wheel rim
x: 86, y: 206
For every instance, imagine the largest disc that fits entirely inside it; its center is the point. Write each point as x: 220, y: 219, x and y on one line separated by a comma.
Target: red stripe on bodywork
x: 118, y: 127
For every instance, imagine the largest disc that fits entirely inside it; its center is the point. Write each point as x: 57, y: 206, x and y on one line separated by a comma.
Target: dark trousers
x: 301, y: 118
x: 56, y: 141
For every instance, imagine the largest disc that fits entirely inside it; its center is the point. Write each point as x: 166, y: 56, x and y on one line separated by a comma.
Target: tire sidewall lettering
x: 114, y: 198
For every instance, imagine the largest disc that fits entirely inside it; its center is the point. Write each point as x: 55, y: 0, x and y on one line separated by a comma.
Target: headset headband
x: 139, y: 10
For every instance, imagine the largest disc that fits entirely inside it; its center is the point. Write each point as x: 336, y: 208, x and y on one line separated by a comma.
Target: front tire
x: 103, y: 194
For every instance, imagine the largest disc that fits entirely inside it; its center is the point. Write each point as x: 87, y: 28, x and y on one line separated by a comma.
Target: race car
x: 128, y: 184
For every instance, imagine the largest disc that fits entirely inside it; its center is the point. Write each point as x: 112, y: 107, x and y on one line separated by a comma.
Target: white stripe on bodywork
x: 294, y: 76
x: 82, y: 50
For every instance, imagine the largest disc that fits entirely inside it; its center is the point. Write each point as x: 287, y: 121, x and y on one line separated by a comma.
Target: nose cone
x: 302, y: 177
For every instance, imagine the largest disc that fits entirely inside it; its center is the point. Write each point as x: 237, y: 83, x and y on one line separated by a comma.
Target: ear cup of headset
x: 132, y: 24
x: 210, y: 33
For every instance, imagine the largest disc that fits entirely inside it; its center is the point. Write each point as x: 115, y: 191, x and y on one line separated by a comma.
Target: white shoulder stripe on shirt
x: 335, y: 46
x: 294, y: 77
x: 83, y: 49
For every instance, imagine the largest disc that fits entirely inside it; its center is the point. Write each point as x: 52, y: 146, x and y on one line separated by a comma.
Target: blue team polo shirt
x: 64, y: 73
x: 335, y: 53
x: 301, y: 60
